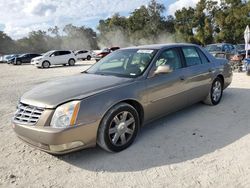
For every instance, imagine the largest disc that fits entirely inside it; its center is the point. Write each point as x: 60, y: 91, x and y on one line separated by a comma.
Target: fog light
x: 67, y: 146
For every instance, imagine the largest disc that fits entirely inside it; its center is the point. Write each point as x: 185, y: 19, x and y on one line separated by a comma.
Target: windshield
x: 48, y: 53
x: 214, y: 47
x: 125, y: 63
x: 23, y: 55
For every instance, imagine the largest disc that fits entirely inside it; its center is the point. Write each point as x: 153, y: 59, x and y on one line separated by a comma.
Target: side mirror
x: 163, y: 69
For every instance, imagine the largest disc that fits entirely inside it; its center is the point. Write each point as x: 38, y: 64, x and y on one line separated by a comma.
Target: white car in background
x: 83, y: 55
x: 55, y: 57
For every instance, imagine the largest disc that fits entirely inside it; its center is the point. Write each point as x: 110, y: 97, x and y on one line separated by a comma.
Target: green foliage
x: 144, y: 25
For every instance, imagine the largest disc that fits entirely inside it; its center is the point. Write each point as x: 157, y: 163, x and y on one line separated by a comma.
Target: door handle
x: 182, y: 78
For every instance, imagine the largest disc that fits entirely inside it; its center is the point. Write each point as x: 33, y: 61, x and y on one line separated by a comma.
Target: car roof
x: 219, y: 44
x: 160, y: 46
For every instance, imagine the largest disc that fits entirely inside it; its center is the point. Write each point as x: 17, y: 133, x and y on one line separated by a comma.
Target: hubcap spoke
x: 112, y: 130
x: 129, y: 131
x: 116, y: 120
x: 129, y: 122
x: 116, y: 137
x: 124, y: 116
x: 123, y: 139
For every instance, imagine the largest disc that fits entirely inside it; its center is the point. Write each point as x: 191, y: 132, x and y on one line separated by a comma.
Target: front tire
x: 216, y: 92
x: 118, y: 128
x: 88, y: 57
x: 71, y: 62
x: 45, y: 64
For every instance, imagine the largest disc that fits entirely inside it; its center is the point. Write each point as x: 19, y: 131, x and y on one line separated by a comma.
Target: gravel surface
x: 200, y: 146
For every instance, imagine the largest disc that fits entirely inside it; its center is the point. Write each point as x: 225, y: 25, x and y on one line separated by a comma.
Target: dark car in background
x: 25, y: 58
x: 105, y: 52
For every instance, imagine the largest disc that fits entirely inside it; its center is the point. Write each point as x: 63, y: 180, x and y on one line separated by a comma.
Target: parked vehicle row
x: 54, y: 57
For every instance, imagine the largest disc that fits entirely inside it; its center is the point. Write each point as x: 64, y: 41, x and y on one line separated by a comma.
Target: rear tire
x: 88, y: 57
x: 119, y: 128
x: 71, y: 62
x: 216, y: 92
x: 45, y: 64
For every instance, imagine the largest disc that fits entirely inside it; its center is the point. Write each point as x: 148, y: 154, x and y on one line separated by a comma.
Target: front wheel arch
x: 134, y: 103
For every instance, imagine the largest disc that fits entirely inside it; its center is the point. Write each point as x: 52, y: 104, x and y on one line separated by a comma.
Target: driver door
x: 166, y: 92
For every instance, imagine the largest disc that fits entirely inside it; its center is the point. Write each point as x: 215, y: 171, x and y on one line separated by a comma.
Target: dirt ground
x: 200, y: 146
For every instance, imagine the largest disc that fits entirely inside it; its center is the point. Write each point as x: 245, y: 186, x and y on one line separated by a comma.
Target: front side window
x: 169, y: 57
x: 191, y: 56
x: 125, y: 63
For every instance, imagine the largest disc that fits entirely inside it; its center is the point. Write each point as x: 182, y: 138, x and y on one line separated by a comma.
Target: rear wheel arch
x: 222, y: 79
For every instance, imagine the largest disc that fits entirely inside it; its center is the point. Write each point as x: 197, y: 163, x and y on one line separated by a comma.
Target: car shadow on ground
x: 184, y: 135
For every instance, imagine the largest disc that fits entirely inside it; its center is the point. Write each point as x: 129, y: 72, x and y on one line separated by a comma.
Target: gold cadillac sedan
x: 108, y: 104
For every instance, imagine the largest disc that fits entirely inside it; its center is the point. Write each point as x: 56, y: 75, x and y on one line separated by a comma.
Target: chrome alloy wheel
x: 217, y: 91
x: 122, y: 128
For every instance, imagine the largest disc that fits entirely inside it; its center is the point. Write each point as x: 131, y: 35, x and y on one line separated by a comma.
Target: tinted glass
x: 170, y: 57
x: 203, y: 57
x: 191, y: 55
x: 64, y: 52
x: 57, y: 53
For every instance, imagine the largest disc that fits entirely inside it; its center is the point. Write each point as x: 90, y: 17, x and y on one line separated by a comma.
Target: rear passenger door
x: 64, y: 57
x: 198, y: 74
x: 26, y: 58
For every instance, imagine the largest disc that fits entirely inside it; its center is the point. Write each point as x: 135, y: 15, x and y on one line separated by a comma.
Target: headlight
x: 39, y: 59
x: 65, y: 115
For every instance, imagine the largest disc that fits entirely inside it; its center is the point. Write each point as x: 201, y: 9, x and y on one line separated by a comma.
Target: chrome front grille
x: 27, y: 114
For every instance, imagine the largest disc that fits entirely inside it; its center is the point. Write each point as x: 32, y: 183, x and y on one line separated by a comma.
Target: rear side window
x: 80, y: 52
x: 203, y: 57
x: 191, y: 55
x: 64, y: 52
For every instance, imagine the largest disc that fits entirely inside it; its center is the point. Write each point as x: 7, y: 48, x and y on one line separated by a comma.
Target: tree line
x: 208, y: 22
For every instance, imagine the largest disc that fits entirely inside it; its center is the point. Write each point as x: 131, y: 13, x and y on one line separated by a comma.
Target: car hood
x: 54, y: 93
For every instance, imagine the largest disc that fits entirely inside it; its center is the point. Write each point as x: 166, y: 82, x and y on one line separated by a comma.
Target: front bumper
x: 58, y: 141
x: 36, y: 63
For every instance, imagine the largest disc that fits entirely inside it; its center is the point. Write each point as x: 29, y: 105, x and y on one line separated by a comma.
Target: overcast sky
x: 19, y: 17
